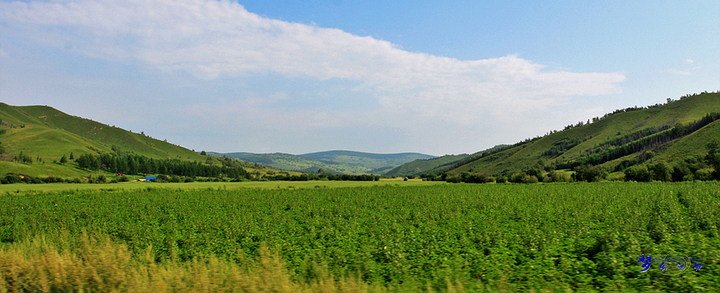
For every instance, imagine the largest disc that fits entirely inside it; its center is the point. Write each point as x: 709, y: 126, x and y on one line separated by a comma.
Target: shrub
x: 11, y: 179
x: 680, y: 174
x: 703, y: 174
x: 589, y: 173
x: 660, y: 172
x: 637, y: 173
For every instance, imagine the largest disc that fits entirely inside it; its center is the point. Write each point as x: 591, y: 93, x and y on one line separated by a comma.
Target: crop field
x: 314, y: 184
x: 415, y: 237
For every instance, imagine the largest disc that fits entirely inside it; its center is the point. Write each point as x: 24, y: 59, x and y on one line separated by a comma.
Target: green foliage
x: 660, y: 172
x: 574, y: 237
x: 589, y: 173
x: 63, y: 160
x: 637, y: 173
x: 713, y: 157
x: 135, y: 165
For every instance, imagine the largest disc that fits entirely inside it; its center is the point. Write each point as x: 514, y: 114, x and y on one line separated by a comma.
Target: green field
x: 314, y: 184
x: 409, y: 237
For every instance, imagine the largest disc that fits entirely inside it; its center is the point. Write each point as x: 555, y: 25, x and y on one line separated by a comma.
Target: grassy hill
x: 425, y: 165
x: 339, y: 162
x: 45, y: 134
x: 378, y: 163
x: 296, y: 163
x: 640, y: 130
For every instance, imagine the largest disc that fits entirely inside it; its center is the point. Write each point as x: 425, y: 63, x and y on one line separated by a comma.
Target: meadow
x: 384, y: 236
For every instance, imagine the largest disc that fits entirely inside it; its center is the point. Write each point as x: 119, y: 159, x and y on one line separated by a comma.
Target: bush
x: 500, y: 179
x: 537, y: 173
x: 556, y: 177
x: 660, y: 172
x: 453, y: 179
x: 680, y: 174
x: 589, y: 173
x: 703, y: 174
x: 637, y: 173
x: 12, y: 179
x: 474, y: 177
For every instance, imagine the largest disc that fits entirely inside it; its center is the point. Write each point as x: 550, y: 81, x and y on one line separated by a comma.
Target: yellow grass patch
x: 101, y: 265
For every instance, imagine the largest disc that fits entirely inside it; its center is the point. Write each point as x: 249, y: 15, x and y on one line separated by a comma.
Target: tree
x: 639, y: 174
x: 713, y: 157
x: 63, y: 160
x: 203, y: 153
x: 589, y: 173
x: 660, y: 172
x: 72, y: 157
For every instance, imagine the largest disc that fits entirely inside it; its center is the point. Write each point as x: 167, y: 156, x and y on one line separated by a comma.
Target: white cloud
x: 212, y: 39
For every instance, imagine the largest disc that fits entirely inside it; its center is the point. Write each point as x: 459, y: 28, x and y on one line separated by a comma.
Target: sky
x: 436, y: 77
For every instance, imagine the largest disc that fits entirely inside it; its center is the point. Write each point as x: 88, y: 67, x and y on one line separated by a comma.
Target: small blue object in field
x: 150, y: 178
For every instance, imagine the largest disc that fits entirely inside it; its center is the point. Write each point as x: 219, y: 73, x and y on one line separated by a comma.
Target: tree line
x: 132, y: 164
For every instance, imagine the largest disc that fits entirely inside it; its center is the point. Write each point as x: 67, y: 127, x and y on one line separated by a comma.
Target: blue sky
x: 438, y: 77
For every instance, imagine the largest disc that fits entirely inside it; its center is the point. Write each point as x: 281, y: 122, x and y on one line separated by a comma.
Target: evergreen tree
x: 713, y: 157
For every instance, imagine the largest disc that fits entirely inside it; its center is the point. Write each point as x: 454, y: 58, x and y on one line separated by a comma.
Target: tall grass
x: 98, y: 264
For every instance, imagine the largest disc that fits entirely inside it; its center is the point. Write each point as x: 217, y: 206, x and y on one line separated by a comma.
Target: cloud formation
x: 221, y: 39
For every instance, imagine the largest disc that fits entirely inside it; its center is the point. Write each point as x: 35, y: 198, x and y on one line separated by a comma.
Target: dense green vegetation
x: 575, y: 236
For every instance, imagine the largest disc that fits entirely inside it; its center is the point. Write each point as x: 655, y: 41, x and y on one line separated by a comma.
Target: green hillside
x: 625, y: 135
x: 44, y: 135
x: 378, y: 163
x: 338, y: 162
x: 425, y: 165
x: 297, y: 163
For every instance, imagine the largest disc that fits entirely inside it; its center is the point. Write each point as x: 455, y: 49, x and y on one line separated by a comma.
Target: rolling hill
x: 45, y: 135
x: 671, y: 132
x: 424, y: 165
x: 339, y: 162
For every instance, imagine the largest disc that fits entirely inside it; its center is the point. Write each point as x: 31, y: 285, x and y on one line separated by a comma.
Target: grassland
x: 201, y: 186
x: 446, y: 237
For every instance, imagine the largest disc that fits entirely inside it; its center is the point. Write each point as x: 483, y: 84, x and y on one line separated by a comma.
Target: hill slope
x: 45, y: 134
x: 425, y: 165
x: 339, y: 162
x: 668, y: 131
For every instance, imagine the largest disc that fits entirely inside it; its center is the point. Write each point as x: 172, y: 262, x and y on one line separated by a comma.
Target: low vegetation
x: 486, y: 237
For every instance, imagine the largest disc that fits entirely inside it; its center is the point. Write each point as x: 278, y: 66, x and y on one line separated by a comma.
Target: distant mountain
x: 339, y: 162
x: 45, y: 135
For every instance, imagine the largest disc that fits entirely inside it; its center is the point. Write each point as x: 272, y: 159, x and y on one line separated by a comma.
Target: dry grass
x: 101, y: 265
